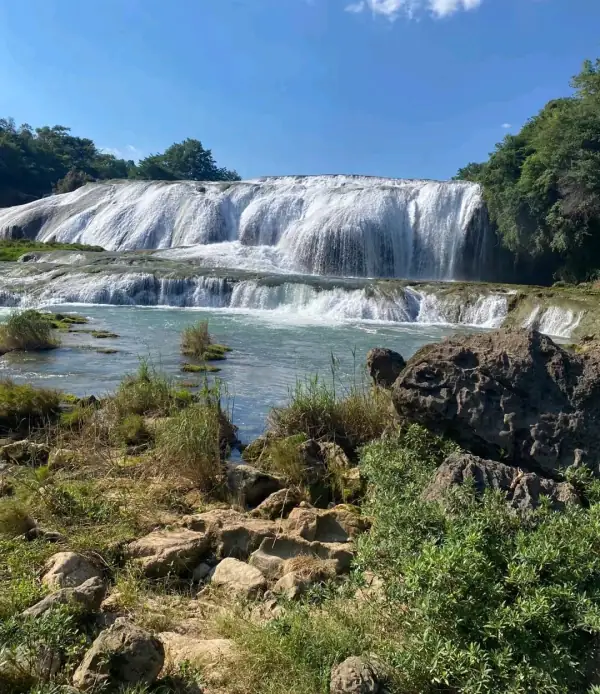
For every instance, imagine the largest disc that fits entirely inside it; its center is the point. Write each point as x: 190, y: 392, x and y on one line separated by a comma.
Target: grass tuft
x: 27, y: 331
x: 23, y: 407
x: 195, y: 339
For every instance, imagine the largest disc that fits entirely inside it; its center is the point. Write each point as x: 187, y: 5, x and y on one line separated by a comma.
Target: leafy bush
x: 144, y: 393
x: 23, y: 407
x: 316, y: 410
x: 27, y: 330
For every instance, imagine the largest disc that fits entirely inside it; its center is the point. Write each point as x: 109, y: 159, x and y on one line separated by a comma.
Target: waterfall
x: 555, y: 320
x: 323, y: 225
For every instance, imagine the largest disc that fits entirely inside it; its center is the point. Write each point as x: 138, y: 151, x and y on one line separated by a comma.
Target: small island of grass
x: 196, y: 342
x: 12, y: 249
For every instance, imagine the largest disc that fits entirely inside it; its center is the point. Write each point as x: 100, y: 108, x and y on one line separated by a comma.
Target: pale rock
x: 68, y: 570
x: 169, y: 551
x: 239, y: 578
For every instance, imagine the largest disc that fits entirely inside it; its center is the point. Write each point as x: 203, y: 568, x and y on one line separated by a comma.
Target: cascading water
x: 325, y: 225
x: 555, y: 321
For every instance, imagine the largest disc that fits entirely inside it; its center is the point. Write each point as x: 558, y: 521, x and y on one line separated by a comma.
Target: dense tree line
x: 41, y: 161
x: 542, y: 186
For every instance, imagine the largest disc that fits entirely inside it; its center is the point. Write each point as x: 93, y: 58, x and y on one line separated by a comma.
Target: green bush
x: 147, y: 392
x: 27, y: 330
x: 23, y: 407
x: 132, y: 431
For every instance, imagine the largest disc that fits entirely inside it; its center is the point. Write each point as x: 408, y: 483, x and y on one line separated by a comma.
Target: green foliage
x: 132, y: 431
x: 195, y: 339
x: 23, y: 407
x: 38, y: 162
x: 148, y: 392
x: 14, y: 518
x: 28, y: 331
x: 542, y: 186
x: 19, y: 573
x: 350, y: 419
x: 13, y: 249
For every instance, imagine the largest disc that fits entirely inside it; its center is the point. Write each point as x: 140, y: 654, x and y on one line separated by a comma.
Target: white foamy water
x: 327, y: 225
x: 555, y: 321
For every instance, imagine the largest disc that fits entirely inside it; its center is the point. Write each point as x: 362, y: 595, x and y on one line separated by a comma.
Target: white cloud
x: 129, y: 152
x: 506, y: 126
x: 392, y: 9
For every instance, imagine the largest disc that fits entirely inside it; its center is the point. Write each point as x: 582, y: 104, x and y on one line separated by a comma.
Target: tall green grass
x: 28, y: 331
x: 23, y: 407
x: 195, y: 340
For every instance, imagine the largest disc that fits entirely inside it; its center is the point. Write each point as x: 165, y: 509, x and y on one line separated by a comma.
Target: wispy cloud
x: 506, y: 126
x: 392, y: 9
x: 129, y: 152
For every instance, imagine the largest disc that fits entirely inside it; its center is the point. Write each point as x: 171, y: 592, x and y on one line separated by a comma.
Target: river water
x: 270, y: 353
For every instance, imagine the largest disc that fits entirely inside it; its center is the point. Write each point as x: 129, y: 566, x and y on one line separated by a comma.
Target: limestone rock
x: 356, y: 675
x: 230, y: 533
x: 211, y: 656
x: 384, y: 366
x: 509, y: 394
x: 201, y: 572
x: 273, y: 553
x: 522, y: 489
x: 124, y: 654
x: 340, y: 524
x: 303, y: 573
x: 25, y: 453
x: 239, y: 578
x: 169, y: 551
x: 68, y: 570
x: 88, y: 597
x: 278, y: 504
x: 250, y: 486
x: 61, y: 458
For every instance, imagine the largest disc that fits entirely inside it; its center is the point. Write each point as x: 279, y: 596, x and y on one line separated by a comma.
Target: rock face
x: 277, y: 505
x: 239, y: 577
x: 249, y: 485
x: 523, y: 490
x: 124, y: 654
x: 356, y: 675
x: 88, y: 597
x: 68, y: 570
x: 384, y: 366
x: 510, y: 394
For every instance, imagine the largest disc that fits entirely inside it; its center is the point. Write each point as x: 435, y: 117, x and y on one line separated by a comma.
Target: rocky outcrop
x: 25, y: 453
x: 87, y: 598
x: 211, y: 656
x: 122, y: 655
x: 68, y: 570
x: 523, y: 490
x: 250, y: 486
x: 239, y: 578
x: 384, y: 366
x: 357, y: 675
x: 510, y: 394
x: 339, y: 524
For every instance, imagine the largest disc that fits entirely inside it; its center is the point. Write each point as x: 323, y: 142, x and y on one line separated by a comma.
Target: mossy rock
x: 107, y: 350
x: 103, y: 334
x: 199, y: 368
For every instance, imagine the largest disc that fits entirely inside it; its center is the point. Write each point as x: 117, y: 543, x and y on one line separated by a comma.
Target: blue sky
x: 402, y: 88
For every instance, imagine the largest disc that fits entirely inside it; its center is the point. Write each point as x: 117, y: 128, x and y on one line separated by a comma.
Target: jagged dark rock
x: 250, y: 486
x: 523, y: 490
x: 384, y: 366
x: 510, y: 395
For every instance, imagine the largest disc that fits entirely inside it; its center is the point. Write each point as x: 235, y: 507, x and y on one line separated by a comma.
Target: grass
x: 23, y: 407
x: 13, y: 249
x: 103, y: 334
x: 27, y: 331
x: 189, y: 444
x: 317, y: 411
x: 196, y: 342
x: 147, y: 392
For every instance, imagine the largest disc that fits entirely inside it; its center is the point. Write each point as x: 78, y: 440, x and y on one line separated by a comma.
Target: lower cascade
x: 323, y: 225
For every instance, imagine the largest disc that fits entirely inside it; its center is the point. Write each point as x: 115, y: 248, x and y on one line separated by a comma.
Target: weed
x: 132, y: 431
x: 27, y: 330
x: 195, y: 339
x: 23, y: 407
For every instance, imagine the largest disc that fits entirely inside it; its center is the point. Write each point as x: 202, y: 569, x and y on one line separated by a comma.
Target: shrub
x: 14, y: 518
x: 146, y: 392
x: 319, y: 412
x: 23, y: 407
x: 132, y: 431
x: 195, y: 340
x: 27, y: 330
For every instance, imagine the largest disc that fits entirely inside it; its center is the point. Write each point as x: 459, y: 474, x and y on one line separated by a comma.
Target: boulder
x: 62, y: 458
x: 122, y: 655
x: 210, y: 656
x: 249, y: 486
x: 302, y: 573
x: 384, y: 366
x: 340, y: 524
x: 25, y: 453
x: 68, y: 570
x: 273, y: 554
x: 87, y: 597
x: 357, y: 675
x: 278, y: 504
x: 230, y: 533
x: 523, y: 490
x: 510, y: 395
x: 239, y: 578
x: 169, y: 551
